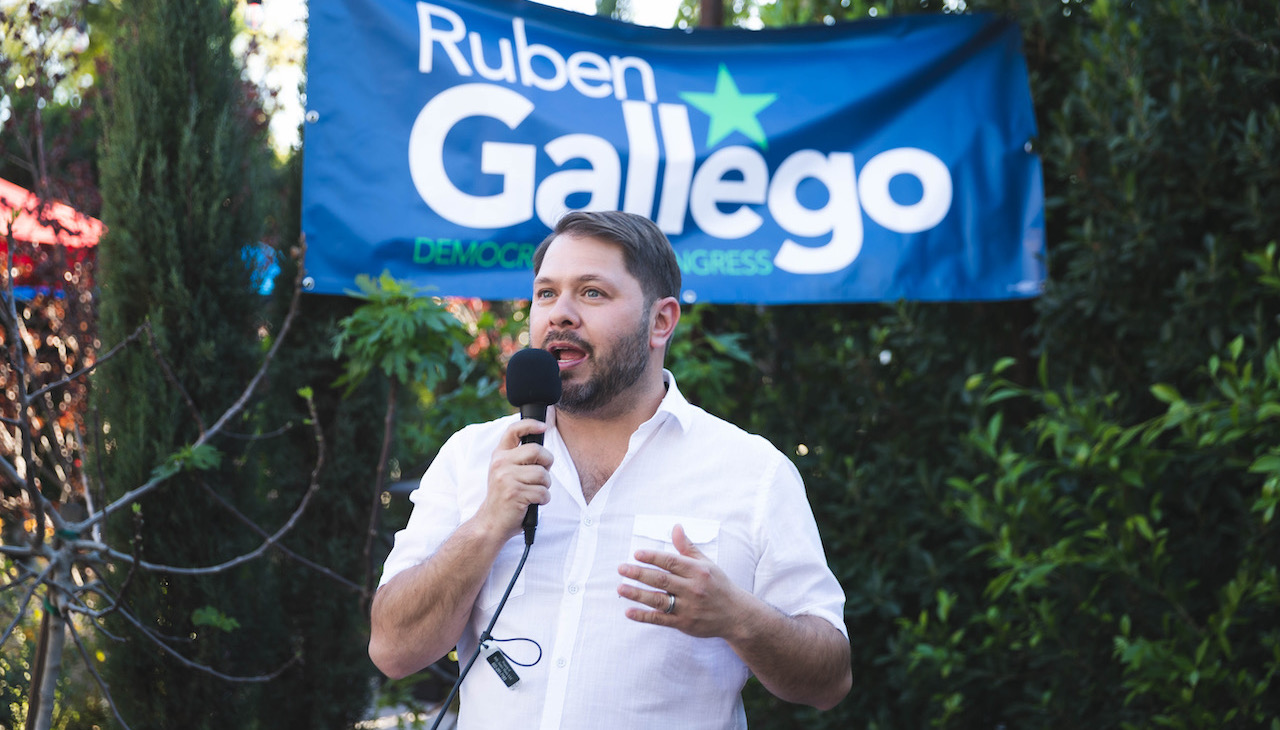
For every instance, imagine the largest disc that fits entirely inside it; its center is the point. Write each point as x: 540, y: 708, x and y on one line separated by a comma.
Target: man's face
x: 590, y: 313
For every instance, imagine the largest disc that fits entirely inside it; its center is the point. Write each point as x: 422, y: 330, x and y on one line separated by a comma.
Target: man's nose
x: 563, y: 313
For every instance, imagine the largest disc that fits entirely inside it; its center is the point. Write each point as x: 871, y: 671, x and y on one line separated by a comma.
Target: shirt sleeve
x: 436, y: 511
x: 792, y: 573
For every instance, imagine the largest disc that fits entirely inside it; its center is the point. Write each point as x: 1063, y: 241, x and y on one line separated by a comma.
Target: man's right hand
x: 519, y: 476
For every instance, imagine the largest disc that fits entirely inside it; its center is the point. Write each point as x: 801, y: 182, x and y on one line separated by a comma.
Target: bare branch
x: 14, y: 582
x: 315, y: 483
x: 20, y: 551
x: 22, y: 606
x: 9, y: 470
x: 221, y: 567
x: 259, y: 436
x: 101, y: 590
x: 124, y: 501
x: 173, y: 381
x: 102, y: 685
x: 18, y: 357
x: 235, y: 409
x: 279, y: 546
x: 196, y: 665
x: 88, y: 493
x: 275, y: 347
x: 145, y: 326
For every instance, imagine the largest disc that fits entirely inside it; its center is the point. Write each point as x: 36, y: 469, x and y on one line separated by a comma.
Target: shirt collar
x: 674, y: 403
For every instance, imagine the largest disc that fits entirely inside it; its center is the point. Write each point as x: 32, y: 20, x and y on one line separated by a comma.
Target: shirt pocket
x: 495, y: 584
x: 653, y: 532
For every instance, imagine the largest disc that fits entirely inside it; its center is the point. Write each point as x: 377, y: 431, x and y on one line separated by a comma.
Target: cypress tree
x: 179, y: 161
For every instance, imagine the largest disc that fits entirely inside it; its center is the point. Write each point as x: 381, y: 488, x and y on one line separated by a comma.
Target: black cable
x: 484, y: 636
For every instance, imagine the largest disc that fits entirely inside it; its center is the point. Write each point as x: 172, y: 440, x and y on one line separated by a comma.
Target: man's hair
x: 645, y: 250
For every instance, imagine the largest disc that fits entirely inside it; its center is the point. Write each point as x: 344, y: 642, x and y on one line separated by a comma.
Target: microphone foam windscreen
x: 533, y: 376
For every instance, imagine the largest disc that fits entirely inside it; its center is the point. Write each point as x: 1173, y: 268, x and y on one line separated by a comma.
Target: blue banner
x: 879, y: 160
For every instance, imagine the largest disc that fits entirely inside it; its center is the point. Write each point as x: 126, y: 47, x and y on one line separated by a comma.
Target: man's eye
x: 543, y: 294
x: 592, y: 293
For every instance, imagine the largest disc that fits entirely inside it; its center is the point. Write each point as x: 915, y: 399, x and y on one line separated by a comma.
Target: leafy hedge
x: 1059, y: 513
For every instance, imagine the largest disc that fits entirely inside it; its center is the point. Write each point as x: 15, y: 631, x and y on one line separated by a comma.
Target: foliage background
x: 1051, y: 513
x: 1064, y: 545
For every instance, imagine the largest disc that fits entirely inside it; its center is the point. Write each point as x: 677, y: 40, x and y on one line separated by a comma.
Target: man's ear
x: 666, y: 315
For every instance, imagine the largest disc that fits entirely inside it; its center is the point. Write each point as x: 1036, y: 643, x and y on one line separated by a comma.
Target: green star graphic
x: 731, y: 111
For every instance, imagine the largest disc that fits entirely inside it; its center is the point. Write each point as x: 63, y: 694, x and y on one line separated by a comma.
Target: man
x: 675, y: 553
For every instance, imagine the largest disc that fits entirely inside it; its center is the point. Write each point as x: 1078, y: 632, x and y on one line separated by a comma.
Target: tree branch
x: 9, y: 470
x: 22, y: 606
x: 102, y: 685
x: 259, y: 436
x: 220, y: 567
x: 275, y: 346
x: 173, y: 381
x: 19, y: 551
x: 196, y: 665
x: 235, y: 409
x: 278, y: 546
x: 90, y: 368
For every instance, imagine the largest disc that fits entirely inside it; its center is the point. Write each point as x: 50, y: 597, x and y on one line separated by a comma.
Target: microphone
x: 533, y: 383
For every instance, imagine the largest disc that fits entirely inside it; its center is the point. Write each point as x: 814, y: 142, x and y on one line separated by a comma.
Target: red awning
x: 58, y: 224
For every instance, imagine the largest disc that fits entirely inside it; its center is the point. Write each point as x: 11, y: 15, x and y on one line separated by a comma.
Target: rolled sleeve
x: 792, y: 573
x: 436, y: 512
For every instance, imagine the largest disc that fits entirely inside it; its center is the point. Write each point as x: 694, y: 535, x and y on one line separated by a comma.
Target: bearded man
x: 676, y: 554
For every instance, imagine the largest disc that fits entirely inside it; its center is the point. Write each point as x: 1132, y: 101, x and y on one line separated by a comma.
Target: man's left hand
x: 706, y: 604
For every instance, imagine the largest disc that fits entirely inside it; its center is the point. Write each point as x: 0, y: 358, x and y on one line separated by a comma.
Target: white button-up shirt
x: 739, y: 499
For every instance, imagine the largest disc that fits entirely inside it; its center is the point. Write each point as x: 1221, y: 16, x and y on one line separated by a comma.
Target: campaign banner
x: 872, y: 161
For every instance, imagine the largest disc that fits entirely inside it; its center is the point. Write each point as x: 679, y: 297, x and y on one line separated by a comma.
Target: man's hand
x: 707, y: 602
x: 419, y: 614
x: 519, y: 476
x: 800, y: 659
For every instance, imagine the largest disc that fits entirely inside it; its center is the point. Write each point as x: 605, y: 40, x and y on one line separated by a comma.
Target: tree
x: 47, y: 69
x: 63, y: 555
x: 183, y: 161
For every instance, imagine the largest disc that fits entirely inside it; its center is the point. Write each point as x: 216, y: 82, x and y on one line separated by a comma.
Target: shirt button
x: 588, y: 522
x: 561, y: 662
x: 573, y: 588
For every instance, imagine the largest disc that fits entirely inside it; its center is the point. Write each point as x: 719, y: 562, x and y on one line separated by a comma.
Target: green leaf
x: 1166, y: 393
x: 1265, y: 464
x: 1237, y: 345
x: 212, y: 617
x: 201, y: 458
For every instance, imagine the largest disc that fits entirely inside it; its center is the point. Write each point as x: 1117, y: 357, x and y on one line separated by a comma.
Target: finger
x: 533, y: 455
x: 518, y: 430
x: 663, y: 580
x: 532, y: 475
x: 656, y: 600
x: 684, y: 544
x: 648, y: 616
x: 668, y: 562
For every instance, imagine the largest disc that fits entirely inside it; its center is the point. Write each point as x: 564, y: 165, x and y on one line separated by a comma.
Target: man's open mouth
x: 567, y: 355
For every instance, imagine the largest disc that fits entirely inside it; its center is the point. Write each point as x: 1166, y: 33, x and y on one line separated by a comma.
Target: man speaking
x: 675, y: 554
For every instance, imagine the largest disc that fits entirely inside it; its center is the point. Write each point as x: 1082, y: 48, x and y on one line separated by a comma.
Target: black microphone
x: 533, y: 383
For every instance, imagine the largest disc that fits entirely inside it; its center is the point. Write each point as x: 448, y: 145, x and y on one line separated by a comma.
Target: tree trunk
x: 44, y: 677
x: 375, y: 508
x: 711, y: 13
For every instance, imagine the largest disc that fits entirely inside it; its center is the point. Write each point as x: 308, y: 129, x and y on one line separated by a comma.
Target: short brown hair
x: 645, y: 249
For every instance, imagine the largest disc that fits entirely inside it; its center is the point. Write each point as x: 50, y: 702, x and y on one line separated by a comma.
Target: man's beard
x: 612, y: 373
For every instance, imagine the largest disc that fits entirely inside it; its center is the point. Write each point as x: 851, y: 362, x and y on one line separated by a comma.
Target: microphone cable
x: 485, y: 636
